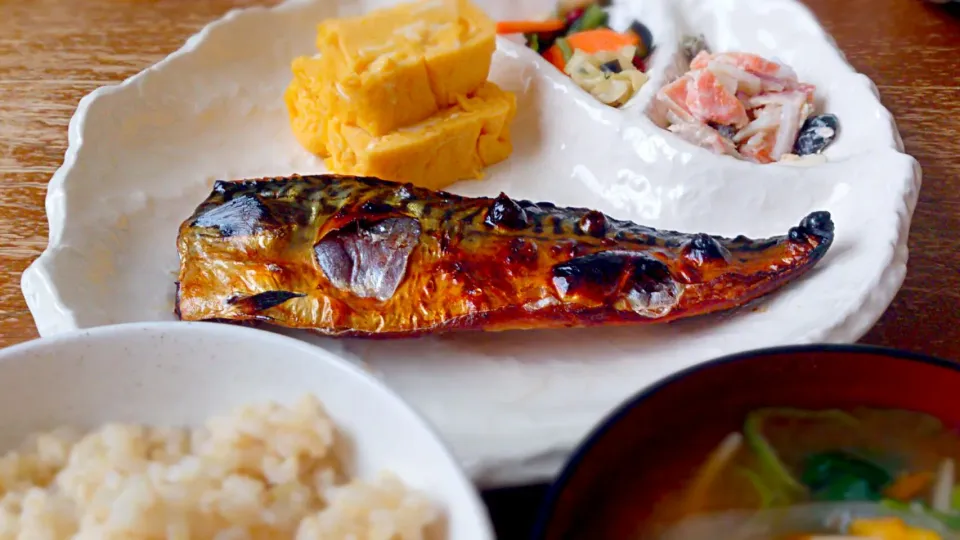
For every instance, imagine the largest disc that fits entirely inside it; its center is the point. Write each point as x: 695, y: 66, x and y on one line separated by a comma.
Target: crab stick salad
x: 578, y: 40
x: 746, y: 106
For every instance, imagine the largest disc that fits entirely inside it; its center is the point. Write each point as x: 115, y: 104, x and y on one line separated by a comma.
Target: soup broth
x: 886, y: 474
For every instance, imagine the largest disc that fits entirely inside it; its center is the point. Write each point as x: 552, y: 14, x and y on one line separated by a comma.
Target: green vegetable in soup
x: 773, y: 469
x: 840, y: 476
x: 950, y: 520
x: 767, y: 497
x: 776, y: 477
x: 847, y: 488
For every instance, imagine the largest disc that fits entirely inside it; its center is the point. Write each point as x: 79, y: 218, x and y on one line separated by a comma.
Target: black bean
x: 646, y: 38
x: 816, y: 134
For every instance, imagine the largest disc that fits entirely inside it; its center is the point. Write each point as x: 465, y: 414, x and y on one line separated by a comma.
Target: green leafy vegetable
x: 565, y: 49
x: 839, y: 476
x: 593, y: 17
x: 533, y: 41
x: 564, y: 7
x: 766, y: 496
x: 899, y: 506
x: 774, y: 473
x: 847, y: 488
x: 770, y: 463
x: 951, y: 520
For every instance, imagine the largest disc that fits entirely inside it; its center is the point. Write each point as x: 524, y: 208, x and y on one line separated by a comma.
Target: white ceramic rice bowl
x: 183, y: 373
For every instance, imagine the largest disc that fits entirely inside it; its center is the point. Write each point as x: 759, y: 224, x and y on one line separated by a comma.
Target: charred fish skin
x: 355, y: 256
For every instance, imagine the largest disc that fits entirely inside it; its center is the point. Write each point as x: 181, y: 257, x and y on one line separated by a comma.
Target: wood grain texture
x: 53, y: 52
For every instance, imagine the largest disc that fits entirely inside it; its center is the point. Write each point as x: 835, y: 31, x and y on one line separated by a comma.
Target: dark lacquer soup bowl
x: 794, y: 442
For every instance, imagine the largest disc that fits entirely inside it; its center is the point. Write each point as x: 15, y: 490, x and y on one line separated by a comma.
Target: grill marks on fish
x: 262, y: 301
x: 637, y: 282
x: 598, y: 275
x: 375, y: 258
x: 703, y: 247
x: 505, y: 212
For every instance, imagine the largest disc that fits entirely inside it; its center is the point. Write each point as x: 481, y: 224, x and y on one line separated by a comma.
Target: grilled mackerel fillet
x: 354, y: 256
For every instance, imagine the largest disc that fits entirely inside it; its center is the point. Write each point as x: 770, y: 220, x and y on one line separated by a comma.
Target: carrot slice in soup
x: 909, y: 486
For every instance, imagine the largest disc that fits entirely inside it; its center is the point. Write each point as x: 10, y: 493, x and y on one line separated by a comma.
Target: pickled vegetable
x: 608, y: 76
x: 585, y: 35
x: 593, y: 17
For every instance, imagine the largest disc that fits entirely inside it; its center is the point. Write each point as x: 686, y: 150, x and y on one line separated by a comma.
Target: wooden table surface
x: 53, y: 52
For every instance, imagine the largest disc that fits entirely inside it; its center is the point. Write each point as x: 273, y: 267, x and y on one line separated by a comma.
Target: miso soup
x: 790, y: 473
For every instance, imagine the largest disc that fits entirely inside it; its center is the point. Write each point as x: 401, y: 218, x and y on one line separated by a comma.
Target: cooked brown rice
x: 264, y: 471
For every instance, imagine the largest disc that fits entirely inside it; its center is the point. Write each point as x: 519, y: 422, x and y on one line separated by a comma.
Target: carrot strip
x: 530, y: 27
x: 555, y: 56
x: 909, y: 485
x: 601, y: 39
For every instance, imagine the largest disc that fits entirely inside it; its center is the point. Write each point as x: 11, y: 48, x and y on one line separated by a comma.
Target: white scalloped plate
x: 144, y: 153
